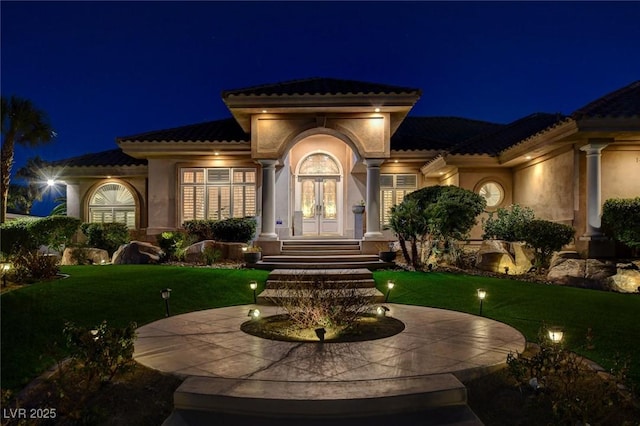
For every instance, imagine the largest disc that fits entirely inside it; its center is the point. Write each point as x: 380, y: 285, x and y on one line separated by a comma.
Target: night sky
x: 107, y: 69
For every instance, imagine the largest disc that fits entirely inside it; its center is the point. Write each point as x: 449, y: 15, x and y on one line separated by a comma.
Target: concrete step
x: 307, y: 251
x: 268, y: 265
x: 331, y: 274
x: 201, y: 399
x: 282, y: 258
x: 321, y: 242
x: 367, y: 283
x: 275, y: 296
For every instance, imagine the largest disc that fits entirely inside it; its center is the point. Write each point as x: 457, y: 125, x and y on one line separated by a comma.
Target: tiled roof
x: 319, y: 86
x: 508, y: 135
x: 438, y: 133
x: 113, y: 157
x: 624, y: 102
x: 226, y: 130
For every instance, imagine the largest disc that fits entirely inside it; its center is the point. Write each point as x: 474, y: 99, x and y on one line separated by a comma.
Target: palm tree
x: 22, y: 124
x: 60, y: 208
x: 21, y: 198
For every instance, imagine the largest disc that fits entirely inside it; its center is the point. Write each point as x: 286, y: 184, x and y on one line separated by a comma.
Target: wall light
x: 555, y: 334
x: 166, y: 294
x: 377, y: 110
x: 482, y: 293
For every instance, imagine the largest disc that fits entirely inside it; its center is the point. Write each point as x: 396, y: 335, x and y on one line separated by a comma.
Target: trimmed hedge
x: 30, y: 234
x: 621, y: 220
x: 545, y: 237
x: 233, y: 230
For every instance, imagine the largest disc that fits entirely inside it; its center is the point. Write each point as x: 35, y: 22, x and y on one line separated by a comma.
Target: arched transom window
x: 113, y: 202
x: 319, y: 164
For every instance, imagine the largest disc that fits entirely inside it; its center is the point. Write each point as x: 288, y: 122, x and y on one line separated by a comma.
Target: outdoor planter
x: 358, y: 209
x: 387, y: 256
x: 252, y: 256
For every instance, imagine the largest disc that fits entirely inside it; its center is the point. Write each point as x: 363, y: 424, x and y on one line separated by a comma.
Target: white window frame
x: 393, y: 194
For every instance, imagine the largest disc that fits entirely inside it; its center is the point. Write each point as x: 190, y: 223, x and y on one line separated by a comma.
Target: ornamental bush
x: 545, y: 237
x: 506, y: 223
x: 621, y: 220
x: 232, y: 230
x: 106, y: 236
x: 29, y: 234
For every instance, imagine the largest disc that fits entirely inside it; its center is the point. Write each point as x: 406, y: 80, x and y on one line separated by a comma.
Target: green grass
x: 33, y: 317
x: 614, y: 318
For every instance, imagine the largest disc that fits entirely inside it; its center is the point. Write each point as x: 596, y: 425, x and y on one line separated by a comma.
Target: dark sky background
x: 107, y: 69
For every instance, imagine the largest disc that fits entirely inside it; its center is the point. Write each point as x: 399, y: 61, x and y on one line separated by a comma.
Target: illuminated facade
x: 300, y: 155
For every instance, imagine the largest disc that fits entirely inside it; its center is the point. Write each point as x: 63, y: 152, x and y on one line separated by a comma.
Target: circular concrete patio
x: 210, y: 343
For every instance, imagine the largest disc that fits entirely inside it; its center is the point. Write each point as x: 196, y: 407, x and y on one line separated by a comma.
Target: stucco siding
x: 547, y: 187
x: 620, y: 173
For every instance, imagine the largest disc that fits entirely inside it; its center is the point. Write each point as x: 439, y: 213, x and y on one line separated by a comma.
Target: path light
x: 166, y: 294
x: 555, y: 334
x: 382, y: 311
x: 5, y: 267
x: 506, y: 270
x: 482, y: 293
x: 320, y: 332
x: 253, y: 285
x: 390, y: 285
x: 254, y: 313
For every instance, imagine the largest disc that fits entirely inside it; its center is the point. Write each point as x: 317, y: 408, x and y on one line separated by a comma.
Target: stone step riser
x: 278, y: 297
x: 321, y: 265
x: 313, y: 252
x: 279, y: 284
x: 320, y: 258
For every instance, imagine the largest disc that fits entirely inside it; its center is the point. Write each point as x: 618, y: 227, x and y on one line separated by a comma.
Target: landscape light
x: 390, y: 285
x: 5, y: 267
x: 254, y: 313
x: 253, y: 285
x: 382, y: 311
x: 482, y: 293
x: 166, y: 294
x: 320, y: 332
x: 555, y: 334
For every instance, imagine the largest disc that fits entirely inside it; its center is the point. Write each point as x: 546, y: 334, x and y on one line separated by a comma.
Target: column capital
x: 595, y: 146
x: 267, y: 162
x: 373, y: 162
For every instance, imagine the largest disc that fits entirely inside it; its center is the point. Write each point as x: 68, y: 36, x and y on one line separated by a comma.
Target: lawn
x: 33, y: 317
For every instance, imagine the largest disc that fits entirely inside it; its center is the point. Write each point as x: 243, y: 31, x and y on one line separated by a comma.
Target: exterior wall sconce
x: 390, y: 286
x: 166, y: 294
x: 482, y: 293
x: 555, y: 334
x: 4, y: 268
x: 254, y: 313
x: 253, y: 285
x: 320, y: 332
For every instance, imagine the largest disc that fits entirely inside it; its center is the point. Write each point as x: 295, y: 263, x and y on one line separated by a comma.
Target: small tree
x: 506, y: 223
x: 621, y: 220
x: 545, y: 237
x: 106, y: 236
x: 435, y: 215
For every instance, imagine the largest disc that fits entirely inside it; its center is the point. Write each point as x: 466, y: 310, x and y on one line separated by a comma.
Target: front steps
x: 321, y: 254
x: 349, y: 282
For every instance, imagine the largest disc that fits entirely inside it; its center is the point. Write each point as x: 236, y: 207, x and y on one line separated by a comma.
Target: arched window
x: 113, y: 202
x: 319, y: 164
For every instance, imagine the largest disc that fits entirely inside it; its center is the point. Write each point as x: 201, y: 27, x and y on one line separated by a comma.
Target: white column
x: 594, y: 190
x: 73, y: 200
x: 268, y: 229
x: 373, y: 198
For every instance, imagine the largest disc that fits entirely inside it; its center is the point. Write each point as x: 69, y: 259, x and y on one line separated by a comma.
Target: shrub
x: 621, y: 220
x: 16, y: 237
x: 506, y: 224
x: 211, y: 255
x: 235, y: 230
x: 174, y: 244
x: 106, y: 236
x: 545, y: 237
x: 54, y: 231
x: 32, y: 266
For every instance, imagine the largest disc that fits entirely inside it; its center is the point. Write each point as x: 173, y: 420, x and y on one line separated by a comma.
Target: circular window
x: 492, y: 192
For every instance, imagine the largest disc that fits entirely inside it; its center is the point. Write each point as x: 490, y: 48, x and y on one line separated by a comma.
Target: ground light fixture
x: 320, y: 332
x: 253, y: 285
x: 254, y: 313
x: 555, y: 334
x: 382, y: 311
x: 166, y: 294
x: 390, y: 286
x: 482, y: 293
x: 5, y: 267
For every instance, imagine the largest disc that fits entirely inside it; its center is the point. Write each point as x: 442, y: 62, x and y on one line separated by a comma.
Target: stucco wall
x: 620, y: 172
x: 162, y: 196
x: 547, y: 187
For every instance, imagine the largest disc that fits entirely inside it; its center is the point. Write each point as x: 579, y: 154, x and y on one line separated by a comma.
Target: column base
x: 596, y: 246
x: 373, y: 236
x: 268, y: 236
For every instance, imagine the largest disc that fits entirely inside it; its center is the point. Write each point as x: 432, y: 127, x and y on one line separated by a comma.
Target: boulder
x: 567, y: 272
x: 232, y: 251
x: 195, y: 252
x: 625, y: 281
x: 598, y: 270
x: 84, y: 256
x: 561, y: 256
x: 137, y: 252
x: 496, y: 255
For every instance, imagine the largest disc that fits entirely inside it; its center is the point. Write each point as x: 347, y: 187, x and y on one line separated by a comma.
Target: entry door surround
x: 319, y: 189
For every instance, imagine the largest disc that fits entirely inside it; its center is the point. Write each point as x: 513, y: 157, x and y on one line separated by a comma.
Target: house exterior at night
x: 299, y: 155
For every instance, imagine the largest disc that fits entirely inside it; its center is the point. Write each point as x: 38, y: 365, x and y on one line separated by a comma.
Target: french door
x: 319, y: 204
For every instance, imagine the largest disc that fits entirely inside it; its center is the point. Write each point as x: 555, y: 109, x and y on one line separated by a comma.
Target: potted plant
x: 358, y: 208
x: 387, y: 254
x: 251, y: 254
